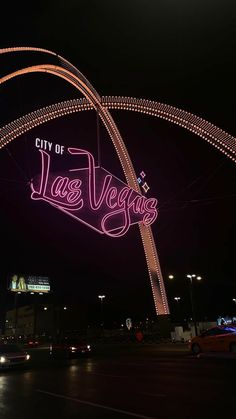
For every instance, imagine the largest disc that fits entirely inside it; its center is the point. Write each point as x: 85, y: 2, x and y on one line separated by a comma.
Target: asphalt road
x: 139, y: 381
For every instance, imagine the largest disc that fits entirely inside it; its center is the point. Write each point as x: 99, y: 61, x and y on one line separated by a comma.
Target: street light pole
x: 101, y: 297
x: 192, y: 300
x: 178, y: 311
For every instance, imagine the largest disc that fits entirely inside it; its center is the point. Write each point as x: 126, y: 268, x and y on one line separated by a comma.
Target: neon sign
x: 92, y: 195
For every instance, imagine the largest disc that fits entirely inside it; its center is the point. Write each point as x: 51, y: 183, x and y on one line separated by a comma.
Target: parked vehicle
x: 32, y: 343
x: 12, y: 355
x: 69, y: 348
x: 215, y: 339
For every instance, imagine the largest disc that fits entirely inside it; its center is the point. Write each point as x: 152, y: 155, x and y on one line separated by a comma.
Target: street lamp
x: 198, y: 278
x: 101, y: 297
x: 234, y: 300
x: 177, y: 299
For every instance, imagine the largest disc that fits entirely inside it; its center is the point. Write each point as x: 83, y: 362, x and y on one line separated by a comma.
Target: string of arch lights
x: 218, y: 138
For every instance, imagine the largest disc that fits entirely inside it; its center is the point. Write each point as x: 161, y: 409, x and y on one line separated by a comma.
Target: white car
x: 12, y: 355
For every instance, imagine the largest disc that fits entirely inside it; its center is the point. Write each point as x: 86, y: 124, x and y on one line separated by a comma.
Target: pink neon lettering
x: 151, y: 214
x: 122, y: 229
x: 111, y: 194
x: 74, y: 187
x: 92, y: 180
x: 71, y: 195
x: 55, y: 189
x: 138, y: 204
x: 62, y: 187
x: 59, y: 186
x: 124, y: 194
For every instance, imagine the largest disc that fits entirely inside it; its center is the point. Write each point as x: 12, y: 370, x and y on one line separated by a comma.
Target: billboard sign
x: 29, y: 283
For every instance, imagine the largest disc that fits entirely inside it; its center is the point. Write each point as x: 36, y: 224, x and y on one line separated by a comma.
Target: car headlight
x: 2, y: 359
x: 73, y: 348
x: 27, y: 357
x: 88, y: 346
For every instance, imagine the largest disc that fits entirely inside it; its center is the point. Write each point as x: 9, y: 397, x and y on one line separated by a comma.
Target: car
x: 69, y: 348
x: 32, y: 343
x: 215, y: 339
x: 12, y: 355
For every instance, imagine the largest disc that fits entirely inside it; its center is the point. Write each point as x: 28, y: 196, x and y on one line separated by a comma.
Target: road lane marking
x: 101, y: 406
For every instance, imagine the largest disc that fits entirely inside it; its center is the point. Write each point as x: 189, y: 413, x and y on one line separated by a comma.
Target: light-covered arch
x: 218, y: 138
x: 70, y: 74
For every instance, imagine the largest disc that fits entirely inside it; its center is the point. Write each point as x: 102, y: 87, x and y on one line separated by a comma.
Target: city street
x: 119, y: 381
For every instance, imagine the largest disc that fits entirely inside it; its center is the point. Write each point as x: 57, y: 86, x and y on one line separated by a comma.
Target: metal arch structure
x: 71, y: 75
x: 223, y: 141
x: 218, y: 138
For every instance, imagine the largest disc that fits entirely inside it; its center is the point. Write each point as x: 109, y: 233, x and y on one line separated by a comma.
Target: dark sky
x: 180, y: 53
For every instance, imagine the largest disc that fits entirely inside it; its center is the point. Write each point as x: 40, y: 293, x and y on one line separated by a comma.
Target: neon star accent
x: 145, y: 187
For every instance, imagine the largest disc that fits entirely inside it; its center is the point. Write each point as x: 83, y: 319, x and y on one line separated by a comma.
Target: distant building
x: 19, y: 321
x: 45, y: 321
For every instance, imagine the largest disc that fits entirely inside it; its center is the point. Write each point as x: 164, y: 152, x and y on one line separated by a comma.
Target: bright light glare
x: 171, y: 276
x: 2, y: 359
x: 27, y: 357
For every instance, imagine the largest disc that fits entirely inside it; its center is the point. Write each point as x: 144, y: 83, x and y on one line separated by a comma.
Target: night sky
x: 179, y: 53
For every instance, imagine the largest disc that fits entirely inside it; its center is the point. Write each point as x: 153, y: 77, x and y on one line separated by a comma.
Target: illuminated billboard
x: 29, y: 283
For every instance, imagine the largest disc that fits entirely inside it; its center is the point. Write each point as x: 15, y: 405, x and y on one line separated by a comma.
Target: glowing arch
x: 69, y: 73
x: 220, y: 139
